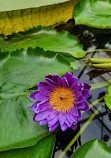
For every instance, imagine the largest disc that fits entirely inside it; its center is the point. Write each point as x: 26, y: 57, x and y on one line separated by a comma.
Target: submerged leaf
x: 93, y: 149
x: 43, y: 149
x: 45, y: 38
x: 93, y: 13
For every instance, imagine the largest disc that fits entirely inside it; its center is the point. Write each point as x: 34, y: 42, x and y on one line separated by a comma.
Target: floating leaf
x: 43, y: 149
x: 16, y: 16
x: 23, y: 69
x: 107, y: 98
x: 45, y: 38
x: 93, y: 13
x: 19, y: 71
x: 93, y: 149
x: 17, y: 128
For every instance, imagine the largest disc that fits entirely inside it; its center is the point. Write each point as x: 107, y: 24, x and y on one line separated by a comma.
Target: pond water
x: 100, y: 127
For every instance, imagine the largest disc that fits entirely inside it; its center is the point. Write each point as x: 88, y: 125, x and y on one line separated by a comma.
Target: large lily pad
x: 94, y: 13
x: 93, y: 149
x: 17, y: 128
x: 46, y: 38
x: 19, y: 71
x: 43, y: 149
x: 23, y: 69
x: 19, y: 4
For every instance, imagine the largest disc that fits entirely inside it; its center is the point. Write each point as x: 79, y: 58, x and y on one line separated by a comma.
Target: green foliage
x: 94, y: 13
x: 19, y: 71
x: 23, y: 69
x: 107, y: 98
x: 43, y: 149
x: 45, y: 38
x: 20, y: 4
x: 93, y: 149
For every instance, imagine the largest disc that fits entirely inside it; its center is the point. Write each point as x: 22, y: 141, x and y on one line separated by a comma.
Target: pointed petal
x: 41, y: 97
x: 86, y: 86
x: 74, y: 127
x: 86, y: 93
x: 42, y: 115
x: 33, y: 95
x: 81, y: 105
x: 44, y: 88
x: 43, y: 122
x: 80, y: 115
x: 53, y: 121
x: 64, y: 127
x: 52, y: 128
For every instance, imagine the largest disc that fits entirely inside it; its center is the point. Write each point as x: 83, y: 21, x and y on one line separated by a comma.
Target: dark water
x: 100, y: 127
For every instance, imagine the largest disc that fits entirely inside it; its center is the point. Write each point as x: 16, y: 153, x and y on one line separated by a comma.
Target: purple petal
x: 41, y: 97
x: 80, y: 115
x: 65, y: 82
x: 55, y: 78
x: 42, y: 115
x: 62, y: 118
x: 43, y: 106
x: 54, y: 126
x: 70, y: 78
x: 74, y: 127
x: 68, y: 123
x: 51, y: 83
x: 53, y: 121
x: 52, y: 114
x: 74, y: 118
x: 48, y: 76
x: 44, y: 88
x: 77, y: 86
x: 64, y: 127
x: 77, y: 94
x: 81, y: 105
x: 86, y: 86
x: 86, y: 93
x: 87, y: 108
x: 34, y: 106
x: 69, y: 118
x: 75, y: 111
x: 61, y: 81
x: 43, y: 122
x: 81, y: 99
x: 33, y: 95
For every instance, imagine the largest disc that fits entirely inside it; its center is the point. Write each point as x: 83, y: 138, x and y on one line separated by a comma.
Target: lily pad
x: 46, y: 38
x: 43, y: 149
x: 93, y: 149
x: 93, y: 13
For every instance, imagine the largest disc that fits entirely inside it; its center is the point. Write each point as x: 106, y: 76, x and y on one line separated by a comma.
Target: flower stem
x: 79, y: 133
x: 104, y: 50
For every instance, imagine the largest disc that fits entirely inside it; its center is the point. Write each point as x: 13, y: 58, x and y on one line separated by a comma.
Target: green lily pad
x: 93, y: 149
x: 21, y: 70
x: 46, y: 38
x: 17, y: 128
x: 93, y: 13
x: 43, y: 149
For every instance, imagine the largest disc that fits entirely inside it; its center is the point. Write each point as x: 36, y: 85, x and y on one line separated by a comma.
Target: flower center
x: 62, y: 99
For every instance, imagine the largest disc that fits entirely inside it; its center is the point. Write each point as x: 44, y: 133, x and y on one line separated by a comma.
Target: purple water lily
x: 60, y: 101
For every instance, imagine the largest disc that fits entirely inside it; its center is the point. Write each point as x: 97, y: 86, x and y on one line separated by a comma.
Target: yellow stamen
x: 62, y: 99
